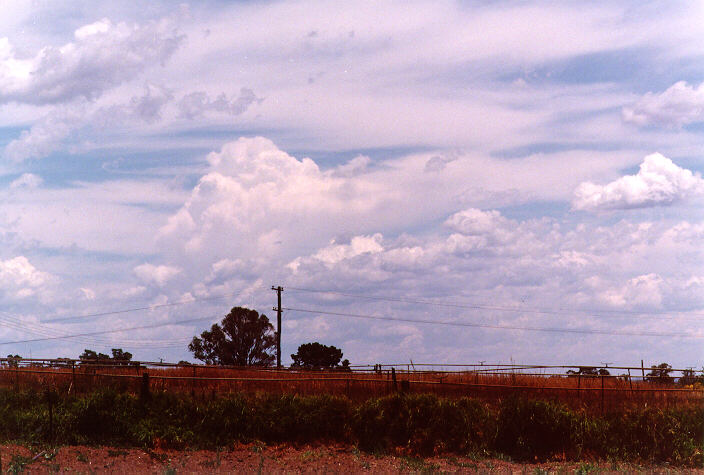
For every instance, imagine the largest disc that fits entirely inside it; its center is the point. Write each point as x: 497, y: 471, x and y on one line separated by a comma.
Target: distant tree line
x: 658, y: 374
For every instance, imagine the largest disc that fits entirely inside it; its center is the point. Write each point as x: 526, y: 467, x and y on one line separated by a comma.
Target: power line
x: 135, y: 309
x: 473, y: 306
x: 103, y: 332
x: 28, y: 327
x: 500, y: 327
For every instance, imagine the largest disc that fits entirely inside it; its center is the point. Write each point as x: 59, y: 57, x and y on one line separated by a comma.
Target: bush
x: 421, y: 424
x: 424, y: 424
x: 533, y: 429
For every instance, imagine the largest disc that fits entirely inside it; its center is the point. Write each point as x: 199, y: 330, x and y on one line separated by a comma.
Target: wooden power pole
x: 278, y: 290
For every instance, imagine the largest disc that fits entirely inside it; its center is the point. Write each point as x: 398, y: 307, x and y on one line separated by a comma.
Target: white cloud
x: 659, y: 182
x: 678, y: 105
x: 159, y: 275
x: 102, y: 56
x: 27, y: 180
x: 261, y: 198
x: 51, y: 132
x: 19, y: 278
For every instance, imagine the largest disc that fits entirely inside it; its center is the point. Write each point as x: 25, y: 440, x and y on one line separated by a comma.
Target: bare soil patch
x: 259, y: 458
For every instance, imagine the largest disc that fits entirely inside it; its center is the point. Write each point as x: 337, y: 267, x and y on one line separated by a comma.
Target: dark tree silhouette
x: 244, y: 338
x: 317, y: 356
x: 119, y: 356
x: 660, y: 374
x: 588, y: 371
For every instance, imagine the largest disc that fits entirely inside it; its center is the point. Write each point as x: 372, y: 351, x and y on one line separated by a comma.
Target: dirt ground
x: 257, y: 458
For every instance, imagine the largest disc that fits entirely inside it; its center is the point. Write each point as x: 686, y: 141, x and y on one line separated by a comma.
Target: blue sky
x: 532, y: 164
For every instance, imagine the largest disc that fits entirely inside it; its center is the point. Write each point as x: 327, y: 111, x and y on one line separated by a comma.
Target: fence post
x: 602, y: 393
x: 393, y: 378
x: 642, y: 369
x: 193, y: 383
x: 630, y: 381
x: 73, y: 376
x: 145, y: 394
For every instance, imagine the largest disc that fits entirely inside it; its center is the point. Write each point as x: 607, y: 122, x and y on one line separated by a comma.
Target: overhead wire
x: 135, y: 309
x: 498, y: 327
x: 103, y: 332
x: 474, y: 306
x: 26, y: 327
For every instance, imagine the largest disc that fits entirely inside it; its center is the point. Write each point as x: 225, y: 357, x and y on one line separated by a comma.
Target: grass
x: 411, y: 425
x: 619, y: 392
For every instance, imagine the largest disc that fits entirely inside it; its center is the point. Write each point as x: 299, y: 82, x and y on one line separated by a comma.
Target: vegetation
x: 518, y: 428
x: 119, y: 357
x: 588, y: 371
x: 318, y: 356
x: 660, y: 374
x: 244, y: 338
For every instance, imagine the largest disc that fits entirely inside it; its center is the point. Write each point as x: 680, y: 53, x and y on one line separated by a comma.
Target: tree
x: 689, y: 377
x: 317, y: 356
x: 244, y: 338
x: 588, y: 371
x: 13, y: 360
x: 119, y: 357
x: 660, y: 374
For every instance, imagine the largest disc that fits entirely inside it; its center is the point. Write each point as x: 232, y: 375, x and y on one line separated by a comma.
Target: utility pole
x: 278, y: 290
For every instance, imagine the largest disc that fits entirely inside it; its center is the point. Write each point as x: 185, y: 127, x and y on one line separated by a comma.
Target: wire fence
x: 585, y: 386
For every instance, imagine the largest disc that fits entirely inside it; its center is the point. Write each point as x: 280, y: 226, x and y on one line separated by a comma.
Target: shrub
x: 424, y: 424
x: 532, y: 429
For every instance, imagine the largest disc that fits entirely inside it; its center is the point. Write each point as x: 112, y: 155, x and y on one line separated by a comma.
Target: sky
x: 489, y: 181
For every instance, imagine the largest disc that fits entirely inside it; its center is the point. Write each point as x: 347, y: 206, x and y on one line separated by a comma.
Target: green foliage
x: 588, y: 371
x: 534, y: 429
x: 423, y: 423
x: 318, y: 356
x: 520, y: 429
x: 660, y: 374
x: 13, y: 361
x: 244, y: 338
x: 119, y: 357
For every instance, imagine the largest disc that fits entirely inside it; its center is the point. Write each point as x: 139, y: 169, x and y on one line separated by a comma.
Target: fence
x: 489, y: 382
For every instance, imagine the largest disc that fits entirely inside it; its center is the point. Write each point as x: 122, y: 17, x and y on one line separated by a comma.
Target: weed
x: 584, y: 468
x: 18, y: 463
x: 170, y: 470
x: 81, y: 457
x: 117, y: 453
x: 417, y: 465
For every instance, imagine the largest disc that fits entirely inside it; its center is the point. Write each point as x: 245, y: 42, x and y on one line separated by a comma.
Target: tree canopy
x: 318, y: 356
x: 119, y: 356
x: 588, y: 371
x: 244, y: 338
x: 660, y: 374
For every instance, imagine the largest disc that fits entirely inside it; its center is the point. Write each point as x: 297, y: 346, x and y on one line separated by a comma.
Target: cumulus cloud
x: 159, y: 275
x: 102, y: 56
x: 659, y: 182
x: 19, y: 278
x: 334, y: 253
x: 263, y: 199
x: 678, y: 105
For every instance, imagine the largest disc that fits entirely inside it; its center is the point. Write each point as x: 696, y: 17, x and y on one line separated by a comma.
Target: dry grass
x: 204, y: 381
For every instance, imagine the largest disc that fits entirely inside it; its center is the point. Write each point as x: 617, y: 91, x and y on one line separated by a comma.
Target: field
x: 603, y: 393
x: 510, y: 412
